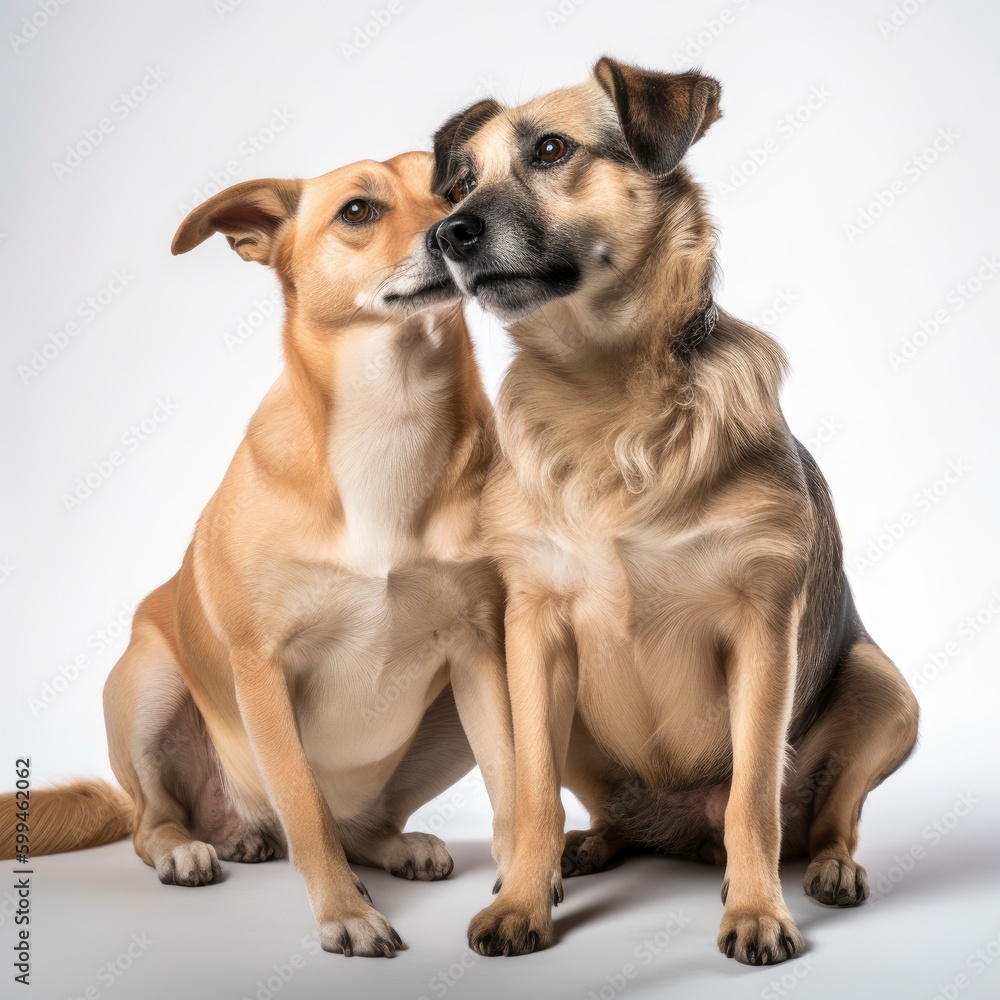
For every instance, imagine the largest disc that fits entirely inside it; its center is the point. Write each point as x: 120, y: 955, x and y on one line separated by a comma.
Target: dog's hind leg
x: 867, y: 730
x: 589, y: 775
x: 437, y: 758
x: 164, y: 758
x: 145, y: 704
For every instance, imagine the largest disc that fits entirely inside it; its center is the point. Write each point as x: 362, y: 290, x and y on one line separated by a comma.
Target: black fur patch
x: 698, y: 329
x: 452, y: 136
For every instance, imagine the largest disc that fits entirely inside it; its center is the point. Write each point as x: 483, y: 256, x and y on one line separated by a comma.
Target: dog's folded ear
x: 249, y: 214
x: 661, y: 114
x: 452, y: 135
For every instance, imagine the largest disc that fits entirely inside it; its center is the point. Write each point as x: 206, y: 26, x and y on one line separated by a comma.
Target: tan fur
x: 298, y: 685
x: 675, y: 616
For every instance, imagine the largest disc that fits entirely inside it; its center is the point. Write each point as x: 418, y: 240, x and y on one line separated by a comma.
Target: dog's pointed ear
x: 452, y: 135
x: 661, y: 114
x: 250, y: 215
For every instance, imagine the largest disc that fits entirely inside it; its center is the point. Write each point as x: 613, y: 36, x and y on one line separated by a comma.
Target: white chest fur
x: 385, y: 446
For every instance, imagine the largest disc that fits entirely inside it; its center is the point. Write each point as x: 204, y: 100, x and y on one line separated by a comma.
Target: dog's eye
x: 461, y: 190
x: 357, y: 210
x: 550, y: 149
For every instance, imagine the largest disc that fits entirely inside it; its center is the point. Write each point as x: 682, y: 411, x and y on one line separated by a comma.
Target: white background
x: 843, y: 230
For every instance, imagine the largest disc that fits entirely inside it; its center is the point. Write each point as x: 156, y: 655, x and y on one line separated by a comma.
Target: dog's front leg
x: 757, y: 928
x: 541, y: 674
x: 479, y: 682
x: 345, y: 918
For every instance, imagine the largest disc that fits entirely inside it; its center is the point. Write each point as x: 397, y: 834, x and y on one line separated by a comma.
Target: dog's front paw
x: 759, y: 938
x: 503, y: 929
x: 418, y: 856
x: 365, y: 933
x: 193, y: 863
x: 836, y: 882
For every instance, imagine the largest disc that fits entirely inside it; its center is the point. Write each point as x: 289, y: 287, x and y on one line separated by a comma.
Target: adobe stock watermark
x: 223, y: 8
x: 768, y: 317
x: 122, y: 108
x: 248, y: 324
x: 9, y: 907
x: 66, y: 674
x: 977, y: 962
x: 365, y: 33
x: 7, y: 569
x: 562, y: 12
x: 444, y: 979
x: 968, y: 630
x: 795, y: 972
x: 895, y: 529
x: 913, y: 168
x: 460, y: 795
x: 86, y: 312
x: 280, y: 975
x: 955, y: 301
x: 931, y: 836
x: 898, y: 17
x: 248, y: 150
x: 131, y: 440
x: 109, y: 975
x: 485, y: 87
x: 59, y: 340
x: 711, y: 29
x: 823, y: 434
x: 643, y: 954
x: 784, y: 129
x: 33, y: 24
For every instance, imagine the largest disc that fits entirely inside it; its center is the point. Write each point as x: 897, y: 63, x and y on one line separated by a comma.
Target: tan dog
x: 683, y: 650
x: 300, y: 682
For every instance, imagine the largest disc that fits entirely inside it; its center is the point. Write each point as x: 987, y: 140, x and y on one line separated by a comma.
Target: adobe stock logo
x: 131, y: 441
x: 59, y: 340
x: 31, y: 26
x: 121, y: 108
x: 366, y: 33
x: 912, y: 170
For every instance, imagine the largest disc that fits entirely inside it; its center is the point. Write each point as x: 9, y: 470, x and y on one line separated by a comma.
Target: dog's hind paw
x: 836, y: 882
x: 247, y: 848
x: 417, y: 856
x: 586, y: 852
x: 193, y: 863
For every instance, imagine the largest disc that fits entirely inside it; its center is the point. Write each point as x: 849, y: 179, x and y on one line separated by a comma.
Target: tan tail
x: 68, y: 817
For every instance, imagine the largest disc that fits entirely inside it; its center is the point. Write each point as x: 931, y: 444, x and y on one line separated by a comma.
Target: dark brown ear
x: 249, y: 215
x: 452, y: 135
x: 661, y: 114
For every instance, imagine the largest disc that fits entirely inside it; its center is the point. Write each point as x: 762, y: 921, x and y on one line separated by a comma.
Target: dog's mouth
x: 430, y: 290
x: 512, y: 295
x: 432, y: 293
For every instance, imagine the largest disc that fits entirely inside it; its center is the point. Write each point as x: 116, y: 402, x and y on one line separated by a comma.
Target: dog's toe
x: 759, y: 938
x: 501, y: 929
x: 367, y: 933
x: 247, y: 848
x: 193, y: 863
x: 418, y: 856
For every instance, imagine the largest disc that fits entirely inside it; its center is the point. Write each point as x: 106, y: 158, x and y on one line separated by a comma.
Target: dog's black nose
x: 458, y: 235
x: 430, y: 238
